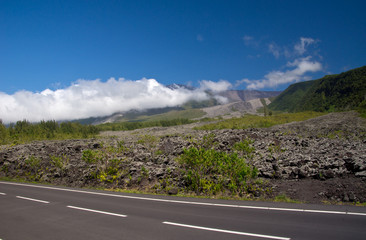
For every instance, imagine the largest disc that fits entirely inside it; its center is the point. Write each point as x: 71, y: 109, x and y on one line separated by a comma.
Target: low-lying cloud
x: 215, y: 87
x: 299, y: 68
x: 93, y: 98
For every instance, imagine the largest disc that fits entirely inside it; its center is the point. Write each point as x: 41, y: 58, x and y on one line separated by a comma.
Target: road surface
x: 30, y: 211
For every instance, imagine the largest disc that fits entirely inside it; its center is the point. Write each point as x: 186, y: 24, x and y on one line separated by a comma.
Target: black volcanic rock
x: 315, y: 160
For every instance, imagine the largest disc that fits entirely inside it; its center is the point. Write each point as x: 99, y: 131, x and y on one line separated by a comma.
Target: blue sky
x: 266, y: 45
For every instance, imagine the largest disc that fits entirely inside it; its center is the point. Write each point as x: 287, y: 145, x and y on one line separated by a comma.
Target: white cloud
x: 216, y: 87
x: 92, y: 98
x: 300, y: 67
x: 300, y: 48
x: 274, y: 49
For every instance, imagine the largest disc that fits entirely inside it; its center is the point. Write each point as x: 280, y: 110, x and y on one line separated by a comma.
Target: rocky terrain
x: 318, y: 160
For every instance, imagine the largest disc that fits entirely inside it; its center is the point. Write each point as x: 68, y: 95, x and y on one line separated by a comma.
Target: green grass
x: 126, y: 126
x: 255, y: 121
x: 174, y: 114
x: 286, y: 199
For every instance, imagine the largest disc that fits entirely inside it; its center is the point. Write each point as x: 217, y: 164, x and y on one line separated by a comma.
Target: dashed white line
x: 188, y: 202
x: 32, y: 199
x: 3, y: 195
x: 227, y: 231
x: 97, y: 211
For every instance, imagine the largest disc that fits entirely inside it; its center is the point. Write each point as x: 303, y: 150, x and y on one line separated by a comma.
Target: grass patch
x: 126, y: 126
x: 255, y: 121
x: 284, y: 198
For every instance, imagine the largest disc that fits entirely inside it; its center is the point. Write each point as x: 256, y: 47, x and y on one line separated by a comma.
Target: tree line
x: 25, y: 131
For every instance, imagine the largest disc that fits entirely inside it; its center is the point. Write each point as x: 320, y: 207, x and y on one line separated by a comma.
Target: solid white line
x: 286, y: 209
x: 32, y: 199
x: 321, y: 211
x: 97, y: 211
x: 187, y: 202
x: 226, y: 231
x: 355, y: 213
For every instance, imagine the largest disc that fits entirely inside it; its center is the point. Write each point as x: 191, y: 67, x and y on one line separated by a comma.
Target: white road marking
x: 188, y: 202
x: 355, y: 213
x: 227, y: 231
x: 32, y: 199
x: 97, y: 211
x: 321, y: 211
x: 3, y: 195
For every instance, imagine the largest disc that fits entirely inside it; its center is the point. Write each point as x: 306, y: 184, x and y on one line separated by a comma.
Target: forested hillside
x: 291, y: 97
x: 345, y: 91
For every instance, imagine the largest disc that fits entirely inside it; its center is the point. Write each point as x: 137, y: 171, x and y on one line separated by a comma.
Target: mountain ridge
x: 192, y: 108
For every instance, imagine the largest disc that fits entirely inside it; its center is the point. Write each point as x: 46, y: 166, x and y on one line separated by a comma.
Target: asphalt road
x: 45, y: 212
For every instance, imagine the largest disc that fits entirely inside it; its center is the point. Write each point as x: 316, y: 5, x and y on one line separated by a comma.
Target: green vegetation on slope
x: 290, y: 98
x: 123, y: 126
x: 200, y: 104
x: 172, y: 115
x: 344, y: 91
x: 340, y: 92
x: 255, y: 121
x: 171, y: 118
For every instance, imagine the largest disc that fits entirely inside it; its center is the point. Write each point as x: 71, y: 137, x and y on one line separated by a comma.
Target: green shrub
x: 245, y: 146
x: 60, y: 162
x: 209, y: 171
x: 90, y: 156
x: 149, y: 141
x: 33, y: 162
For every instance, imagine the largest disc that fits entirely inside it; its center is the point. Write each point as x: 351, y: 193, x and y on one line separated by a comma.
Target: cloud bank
x: 215, y: 87
x: 93, y: 98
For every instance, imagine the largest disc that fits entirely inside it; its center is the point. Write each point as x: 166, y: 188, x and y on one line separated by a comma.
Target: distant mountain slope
x: 343, y: 91
x: 189, y: 110
x: 247, y: 95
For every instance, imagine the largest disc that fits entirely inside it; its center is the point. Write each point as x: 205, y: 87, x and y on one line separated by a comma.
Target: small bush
x: 244, y: 146
x: 209, y: 171
x: 89, y: 156
x: 59, y: 162
x: 33, y: 162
